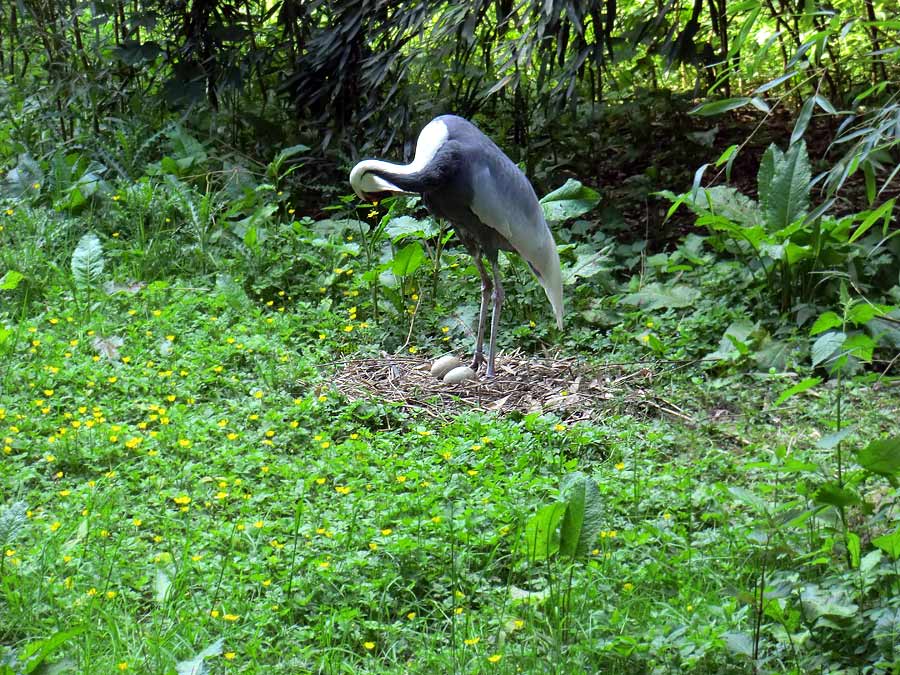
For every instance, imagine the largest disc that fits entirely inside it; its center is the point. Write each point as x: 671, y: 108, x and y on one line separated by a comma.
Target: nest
x: 522, y: 384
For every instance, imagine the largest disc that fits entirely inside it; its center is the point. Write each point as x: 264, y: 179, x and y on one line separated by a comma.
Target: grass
x: 195, y: 491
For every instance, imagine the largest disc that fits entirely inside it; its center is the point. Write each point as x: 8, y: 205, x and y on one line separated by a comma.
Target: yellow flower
x: 471, y: 642
x: 619, y: 466
x: 55, y: 526
x: 137, y: 522
x: 559, y: 427
x: 342, y: 489
x: 411, y: 616
x: 230, y: 617
x: 369, y: 645
x: 386, y: 531
x: 493, y: 658
x: 229, y: 655
x: 214, y: 613
x: 627, y: 586
x: 122, y: 665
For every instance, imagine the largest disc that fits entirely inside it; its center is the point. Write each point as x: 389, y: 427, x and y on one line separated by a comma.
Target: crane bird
x: 468, y: 181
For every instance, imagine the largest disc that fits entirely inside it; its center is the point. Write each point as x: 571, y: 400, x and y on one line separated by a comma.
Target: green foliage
x: 803, y: 257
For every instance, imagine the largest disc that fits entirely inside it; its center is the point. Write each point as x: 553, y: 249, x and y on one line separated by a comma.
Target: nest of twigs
x: 523, y: 384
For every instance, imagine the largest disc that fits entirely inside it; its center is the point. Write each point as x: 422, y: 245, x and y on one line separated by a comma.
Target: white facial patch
x: 432, y: 137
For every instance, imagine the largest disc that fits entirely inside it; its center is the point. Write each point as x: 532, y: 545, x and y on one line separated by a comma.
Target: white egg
x: 444, y: 365
x: 459, y: 374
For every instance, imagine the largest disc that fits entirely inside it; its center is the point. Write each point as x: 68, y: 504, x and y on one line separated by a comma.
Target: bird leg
x: 497, y: 296
x: 486, y: 288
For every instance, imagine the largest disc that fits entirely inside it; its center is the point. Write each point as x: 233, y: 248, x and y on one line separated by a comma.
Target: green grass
x: 210, y: 485
x: 191, y: 481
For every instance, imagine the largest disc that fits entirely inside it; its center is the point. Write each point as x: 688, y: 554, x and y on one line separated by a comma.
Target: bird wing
x: 504, y: 200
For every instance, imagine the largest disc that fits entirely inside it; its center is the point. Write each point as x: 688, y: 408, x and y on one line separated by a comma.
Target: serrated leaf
x: 571, y: 200
x: 826, y: 321
x: 881, y: 456
x: 788, y: 192
x: 833, y: 494
x: 827, y: 346
x: 87, y: 261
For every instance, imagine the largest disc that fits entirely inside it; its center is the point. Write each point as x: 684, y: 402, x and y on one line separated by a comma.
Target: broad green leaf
x: 407, y: 226
x: 827, y: 346
x: 583, y: 518
x: 738, y: 333
x: 830, y: 441
x: 588, y: 263
x: 11, y: 280
x: 859, y: 346
x: 329, y: 227
x: 408, y: 259
x: 826, y: 321
x: 87, y: 261
x: 881, y: 456
x: 771, y: 354
x: 738, y: 643
x: 862, y: 312
x: 798, y: 388
x: 889, y: 543
x: 541, y: 539
x: 833, y: 604
x: 657, y: 295
x: 34, y: 654
x: 569, y: 201
x: 788, y: 192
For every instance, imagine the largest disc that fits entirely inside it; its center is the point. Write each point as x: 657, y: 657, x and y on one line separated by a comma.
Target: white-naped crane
x: 468, y: 181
